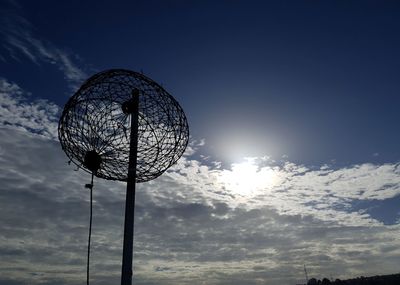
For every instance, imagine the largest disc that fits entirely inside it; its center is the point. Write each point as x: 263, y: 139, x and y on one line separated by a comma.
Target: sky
x: 293, y: 156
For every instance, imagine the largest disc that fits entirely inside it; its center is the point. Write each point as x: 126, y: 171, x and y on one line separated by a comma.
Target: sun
x: 247, y: 178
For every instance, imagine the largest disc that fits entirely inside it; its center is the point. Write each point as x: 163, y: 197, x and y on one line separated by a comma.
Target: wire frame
x: 93, y: 120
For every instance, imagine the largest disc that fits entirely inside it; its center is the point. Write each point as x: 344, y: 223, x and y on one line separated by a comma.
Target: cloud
x: 199, y: 223
x: 38, y: 117
x: 191, y: 226
x: 45, y: 209
x: 182, y: 233
x: 324, y: 192
x: 20, y: 40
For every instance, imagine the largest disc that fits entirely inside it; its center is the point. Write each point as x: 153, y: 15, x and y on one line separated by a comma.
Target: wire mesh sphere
x: 94, y: 128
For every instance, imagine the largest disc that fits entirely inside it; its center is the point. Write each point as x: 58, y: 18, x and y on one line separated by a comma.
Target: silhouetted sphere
x: 93, y: 121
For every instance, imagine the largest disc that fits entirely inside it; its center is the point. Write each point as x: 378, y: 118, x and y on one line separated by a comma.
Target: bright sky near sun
x: 247, y: 179
x: 294, y: 156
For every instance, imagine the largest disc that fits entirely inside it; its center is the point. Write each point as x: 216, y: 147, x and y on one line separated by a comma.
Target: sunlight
x: 247, y: 178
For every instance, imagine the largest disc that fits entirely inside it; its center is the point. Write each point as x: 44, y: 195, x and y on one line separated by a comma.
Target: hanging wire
x: 90, y: 186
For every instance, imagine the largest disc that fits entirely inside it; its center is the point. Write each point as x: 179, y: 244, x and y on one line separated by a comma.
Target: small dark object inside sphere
x: 129, y: 106
x: 92, y: 161
x: 94, y: 128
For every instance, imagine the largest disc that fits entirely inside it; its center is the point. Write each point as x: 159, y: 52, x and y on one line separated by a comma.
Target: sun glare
x: 247, y: 178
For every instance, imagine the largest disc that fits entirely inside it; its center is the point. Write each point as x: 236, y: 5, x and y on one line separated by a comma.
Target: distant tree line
x: 393, y: 279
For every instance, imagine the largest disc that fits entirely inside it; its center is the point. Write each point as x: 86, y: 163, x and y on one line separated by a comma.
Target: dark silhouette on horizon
x: 392, y: 279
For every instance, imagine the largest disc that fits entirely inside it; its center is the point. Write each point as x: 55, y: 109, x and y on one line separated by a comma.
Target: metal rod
x: 90, y: 186
x: 126, y: 277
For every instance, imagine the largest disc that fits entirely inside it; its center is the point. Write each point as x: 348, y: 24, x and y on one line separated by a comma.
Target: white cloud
x: 184, y: 232
x: 325, y: 193
x: 39, y: 117
x: 190, y: 225
x: 20, y: 39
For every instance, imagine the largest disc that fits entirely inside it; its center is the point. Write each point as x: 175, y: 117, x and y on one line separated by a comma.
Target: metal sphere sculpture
x: 95, y: 129
x: 121, y: 125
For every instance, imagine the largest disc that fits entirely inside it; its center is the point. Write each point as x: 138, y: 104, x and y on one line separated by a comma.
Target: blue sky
x: 294, y: 153
x: 276, y: 78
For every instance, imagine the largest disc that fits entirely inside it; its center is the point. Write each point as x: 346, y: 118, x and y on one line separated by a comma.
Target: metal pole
x: 131, y: 107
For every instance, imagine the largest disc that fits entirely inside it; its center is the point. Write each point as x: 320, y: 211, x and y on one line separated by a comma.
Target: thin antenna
x: 305, y: 271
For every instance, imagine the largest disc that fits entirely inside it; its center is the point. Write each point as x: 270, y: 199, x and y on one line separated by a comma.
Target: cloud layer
x: 17, y: 112
x: 192, y: 225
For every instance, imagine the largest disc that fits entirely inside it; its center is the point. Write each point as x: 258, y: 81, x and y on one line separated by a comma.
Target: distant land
x: 392, y: 279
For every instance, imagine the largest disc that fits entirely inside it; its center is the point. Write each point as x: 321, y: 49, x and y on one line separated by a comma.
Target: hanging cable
x: 92, y: 162
x: 90, y: 186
